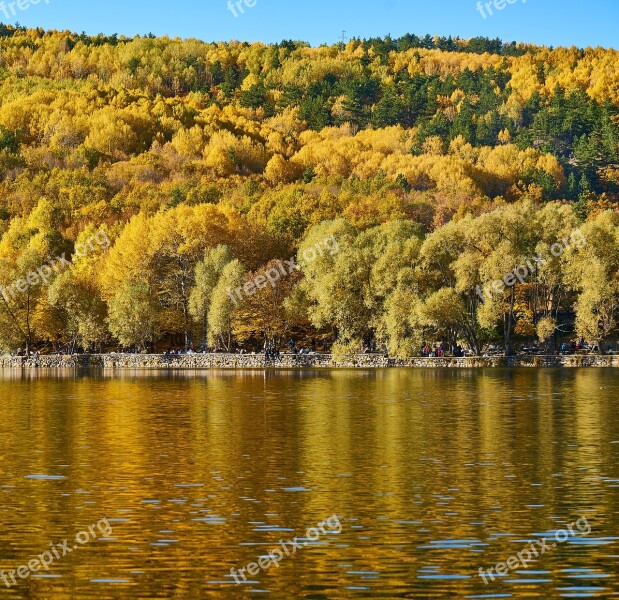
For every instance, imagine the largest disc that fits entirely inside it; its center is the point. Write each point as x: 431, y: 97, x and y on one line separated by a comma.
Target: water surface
x: 432, y: 474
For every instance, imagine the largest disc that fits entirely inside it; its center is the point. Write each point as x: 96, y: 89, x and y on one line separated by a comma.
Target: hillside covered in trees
x: 438, y: 164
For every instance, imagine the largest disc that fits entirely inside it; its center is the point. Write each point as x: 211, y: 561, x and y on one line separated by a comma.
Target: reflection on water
x: 433, y: 474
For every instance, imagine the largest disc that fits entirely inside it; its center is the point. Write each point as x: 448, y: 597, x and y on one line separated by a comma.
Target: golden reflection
x: 200, y: 472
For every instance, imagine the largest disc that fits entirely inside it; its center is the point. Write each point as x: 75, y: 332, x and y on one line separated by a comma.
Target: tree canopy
x: 442, y: 163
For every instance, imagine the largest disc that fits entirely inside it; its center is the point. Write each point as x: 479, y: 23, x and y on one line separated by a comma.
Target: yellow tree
x: 32, y: 254
x: 76, y: 293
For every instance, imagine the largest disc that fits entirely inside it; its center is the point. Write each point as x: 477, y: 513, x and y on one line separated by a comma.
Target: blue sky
x: 551, y: 22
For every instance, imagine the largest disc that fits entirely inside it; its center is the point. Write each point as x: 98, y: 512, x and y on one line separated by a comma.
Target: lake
x: 409, y: 482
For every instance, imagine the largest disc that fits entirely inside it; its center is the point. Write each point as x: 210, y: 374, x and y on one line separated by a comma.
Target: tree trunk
x: 508, y: 324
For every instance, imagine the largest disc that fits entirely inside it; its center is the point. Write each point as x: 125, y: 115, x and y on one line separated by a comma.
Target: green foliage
x: 132, y: 315
x: 8, y: 140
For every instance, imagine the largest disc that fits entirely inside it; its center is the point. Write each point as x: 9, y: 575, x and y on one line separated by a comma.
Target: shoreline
x: 294, y: 361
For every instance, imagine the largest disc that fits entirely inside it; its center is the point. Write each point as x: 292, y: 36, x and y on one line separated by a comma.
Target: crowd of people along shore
x: 273, y: 351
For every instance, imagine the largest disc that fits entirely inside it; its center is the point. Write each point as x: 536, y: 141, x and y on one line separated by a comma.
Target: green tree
x: 133, y: 315
x: 592, y: 272
x: 224, y: 303
x: 207, y: 275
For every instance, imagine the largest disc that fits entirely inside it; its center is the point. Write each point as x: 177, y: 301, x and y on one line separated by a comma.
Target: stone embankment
x: 293, y: 361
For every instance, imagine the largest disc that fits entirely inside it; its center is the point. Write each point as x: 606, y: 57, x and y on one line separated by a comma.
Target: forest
x: 438, y: 165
